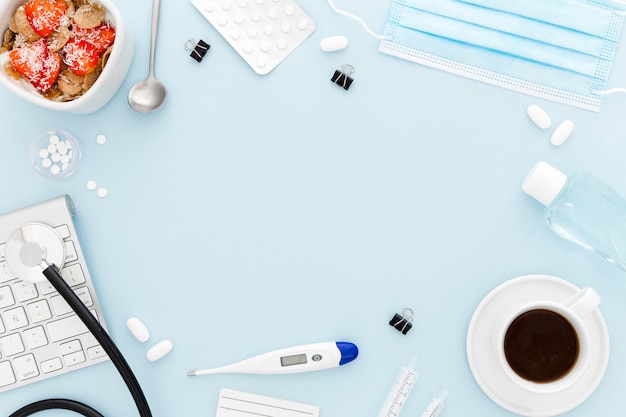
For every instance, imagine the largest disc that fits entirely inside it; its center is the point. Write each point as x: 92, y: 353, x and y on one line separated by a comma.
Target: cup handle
x: 583, y: 302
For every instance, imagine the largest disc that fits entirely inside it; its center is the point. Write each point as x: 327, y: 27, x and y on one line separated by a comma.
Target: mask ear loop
x: 358, y: 19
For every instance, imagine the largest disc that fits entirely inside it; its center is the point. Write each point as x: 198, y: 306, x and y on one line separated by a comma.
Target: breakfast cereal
x: 59, y: 46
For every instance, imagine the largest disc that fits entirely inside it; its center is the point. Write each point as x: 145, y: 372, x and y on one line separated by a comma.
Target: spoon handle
x: 153, y: 37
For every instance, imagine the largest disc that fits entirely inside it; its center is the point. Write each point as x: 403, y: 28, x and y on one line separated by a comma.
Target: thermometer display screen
x: 293, y: 360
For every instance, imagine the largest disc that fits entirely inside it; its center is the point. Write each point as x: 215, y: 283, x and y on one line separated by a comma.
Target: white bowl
x: 104, y: 88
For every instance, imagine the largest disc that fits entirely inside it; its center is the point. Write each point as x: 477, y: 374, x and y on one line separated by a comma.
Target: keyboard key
x: 74, y: 358
x: 51, y: 365
x: 15, y: 318
x: 24, y: 291
x: 73, y: 275
x: 66, y: 328
x: 70, y: 252
x: 7, y: 377
x: 70, y: 347
x: 25, y: 367
x: 45, y: 288
x: 63, y: 231
x: 6, y: 297
x: 39, y: 311
x: 35, y: 337
x: 61, y: 307
x: 95, y: 352
x: 12, y: 344
x: 5, y: 274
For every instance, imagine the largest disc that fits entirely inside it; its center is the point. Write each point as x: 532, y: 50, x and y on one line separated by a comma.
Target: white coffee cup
x: 573, y: 309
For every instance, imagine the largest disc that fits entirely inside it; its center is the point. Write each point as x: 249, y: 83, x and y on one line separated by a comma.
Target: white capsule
x: 562, y: 132
x: 159, y: 350
x: 138, y: 329
x: 333, y: 43
x: 538, y: 116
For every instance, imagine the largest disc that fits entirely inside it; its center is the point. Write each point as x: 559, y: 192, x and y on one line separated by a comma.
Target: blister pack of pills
x: 263, y: 32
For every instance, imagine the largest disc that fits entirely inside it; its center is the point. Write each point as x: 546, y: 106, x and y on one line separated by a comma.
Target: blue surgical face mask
x: 560, y: 50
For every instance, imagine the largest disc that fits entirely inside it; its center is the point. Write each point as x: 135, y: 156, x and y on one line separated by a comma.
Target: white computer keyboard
x: 263, y: 32
x: 40, y: 336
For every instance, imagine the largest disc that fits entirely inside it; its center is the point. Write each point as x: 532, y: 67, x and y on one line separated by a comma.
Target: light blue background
x: 252, y: 213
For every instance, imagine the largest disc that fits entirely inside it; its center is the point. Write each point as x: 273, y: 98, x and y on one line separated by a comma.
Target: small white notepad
x: 243, y: 404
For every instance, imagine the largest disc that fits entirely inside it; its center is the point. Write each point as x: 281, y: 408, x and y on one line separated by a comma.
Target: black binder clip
x: 342, y: 77
x: 198, y: 50
x: 402, y: 322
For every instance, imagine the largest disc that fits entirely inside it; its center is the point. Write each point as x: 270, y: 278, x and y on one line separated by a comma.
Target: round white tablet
x: 138, y: 329
x: 159, y: 350
x: 91, y: 185
x: 101, y: 139
x: 102, y: 192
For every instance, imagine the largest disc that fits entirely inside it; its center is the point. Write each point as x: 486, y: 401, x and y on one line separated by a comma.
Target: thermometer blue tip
x: 348, y: 350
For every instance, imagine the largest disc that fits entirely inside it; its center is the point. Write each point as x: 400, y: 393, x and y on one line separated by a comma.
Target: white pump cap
x: 544, y: 182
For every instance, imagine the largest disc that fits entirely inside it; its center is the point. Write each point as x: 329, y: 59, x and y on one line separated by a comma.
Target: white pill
x: 562, y: 132
x: 91, y: 185
x: 54, y: 139
x: 43, y: 153
x: 538, y: 116
x: 101, y: 139
x: 159, y: 350
x: 102, y: 192
x: 334, y: 43
x: 46, y: 162
x: 138, y: 329
x: 55, y: 169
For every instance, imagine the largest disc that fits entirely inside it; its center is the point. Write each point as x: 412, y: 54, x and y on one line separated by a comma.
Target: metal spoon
x: 148, y: 95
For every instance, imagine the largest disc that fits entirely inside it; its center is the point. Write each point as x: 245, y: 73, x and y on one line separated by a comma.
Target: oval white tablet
x: 562, y: 132
x: 159, y: 350
x: 334, y: 43
x: 538, y: 116
x: 138, y: 329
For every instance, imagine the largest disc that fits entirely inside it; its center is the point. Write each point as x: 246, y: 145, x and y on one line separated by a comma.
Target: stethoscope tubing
x: 92, y: 324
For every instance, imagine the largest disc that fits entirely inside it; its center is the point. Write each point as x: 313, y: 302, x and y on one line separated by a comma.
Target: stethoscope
x: 35, y: 252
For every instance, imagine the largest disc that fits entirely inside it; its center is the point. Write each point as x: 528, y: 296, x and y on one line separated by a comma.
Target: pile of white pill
x: 54, y: 154
x: 540, y: 118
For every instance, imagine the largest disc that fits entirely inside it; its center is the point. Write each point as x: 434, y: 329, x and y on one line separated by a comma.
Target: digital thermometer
x: 291, y: 360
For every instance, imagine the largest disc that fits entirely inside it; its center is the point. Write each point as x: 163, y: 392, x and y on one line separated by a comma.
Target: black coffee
x: 541, y: 346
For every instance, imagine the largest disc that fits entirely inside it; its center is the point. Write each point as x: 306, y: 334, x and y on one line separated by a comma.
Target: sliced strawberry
x: 80, y: 56
x: 37, y: 64
x: 101, y: 36
x: 52, y: 69
x: 45, y: 16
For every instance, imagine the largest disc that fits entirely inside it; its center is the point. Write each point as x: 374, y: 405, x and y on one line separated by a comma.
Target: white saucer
x: 483, y: 359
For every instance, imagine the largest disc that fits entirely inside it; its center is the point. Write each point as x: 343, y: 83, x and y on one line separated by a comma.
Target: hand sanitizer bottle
x: 583, y: 209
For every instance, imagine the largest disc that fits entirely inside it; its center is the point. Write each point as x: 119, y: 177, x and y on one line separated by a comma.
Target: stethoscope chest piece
x: 31, y: 248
